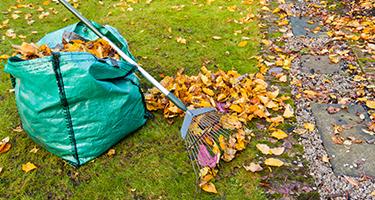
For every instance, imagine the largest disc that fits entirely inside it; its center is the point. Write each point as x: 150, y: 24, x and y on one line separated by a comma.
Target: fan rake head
x: 202, y: 131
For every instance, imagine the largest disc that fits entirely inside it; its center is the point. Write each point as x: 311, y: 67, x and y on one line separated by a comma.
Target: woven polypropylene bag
x: 76, y: 105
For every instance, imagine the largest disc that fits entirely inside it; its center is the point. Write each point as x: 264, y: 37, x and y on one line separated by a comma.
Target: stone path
x: 339, y: 149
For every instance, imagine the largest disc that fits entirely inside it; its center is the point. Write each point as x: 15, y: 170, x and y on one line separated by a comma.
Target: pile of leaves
x: 70, y: 43
x: 239, y: 98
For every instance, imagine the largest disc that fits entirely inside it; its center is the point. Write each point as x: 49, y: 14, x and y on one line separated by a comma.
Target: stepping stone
x: 301, y: 27
x: 354, y: 159
x: 318, y: 64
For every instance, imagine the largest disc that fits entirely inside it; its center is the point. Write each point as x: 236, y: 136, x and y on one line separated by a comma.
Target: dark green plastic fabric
x: 76, y: 105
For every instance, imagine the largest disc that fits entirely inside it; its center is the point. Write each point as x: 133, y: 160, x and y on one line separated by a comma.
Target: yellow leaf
x: 208, y: 91
x: 276, y: 10
x: 28, y: 167
x: 309, y: 126
x: 274, y: 162
x: 283, y: 22
x: 370, y: 104
x: 221, y: 96
x: 222, y: 142
x: 279, y: 134
x: 267, y: 42
x: 288, y: 113
x: 209, y: 187
x: 240, y: 145
x: 111, y: 152
x: 334, y: 58
x: 4, y: 57
x: 310, y: 93
x: 358, y: 78
x: 330, y: 33
x: 242, y: 44
x: 236, y: 108
x: 265, y: 8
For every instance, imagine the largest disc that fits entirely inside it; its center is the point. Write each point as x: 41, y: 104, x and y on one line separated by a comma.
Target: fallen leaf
x: 28, y: 167
x: 333, y: 110
x: 111, y: 152
x: 4, y: 57
x: 253, y: 167
x: 242, y: 44
x: 34, y: 150
x: 11, y: 34
x: 5, y: 147
x: 236, y: 108
x: 325, y: 158
x: 352, y: 181
x: 309, y: 126
x: 208, y: 91
x: 274, y: 162
x: 283, y: 78
x: 337, y: 139
x: 216, y: 37
x: 279, y: 134
x: 181, y: 40
x: 277, y: 151
x: 370, y: 104
x: 209, y: 187
x: 334, y: 58
x: 265, y: 149
x: 289, y: 112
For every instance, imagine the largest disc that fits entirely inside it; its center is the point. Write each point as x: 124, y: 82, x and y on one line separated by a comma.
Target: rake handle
x: 144, y: 73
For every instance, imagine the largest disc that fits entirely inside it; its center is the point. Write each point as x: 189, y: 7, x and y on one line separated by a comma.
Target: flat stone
x: 354, y: 159
x: 301, y: 27
x: 318, y: 64
x: 275, y: 70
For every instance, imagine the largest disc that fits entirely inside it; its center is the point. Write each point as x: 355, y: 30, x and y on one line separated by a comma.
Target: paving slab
x: 318, y: 64
x: 302, y: 27
x: 354, y: 159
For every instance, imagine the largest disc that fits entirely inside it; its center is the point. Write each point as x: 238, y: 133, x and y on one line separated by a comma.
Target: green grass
x: 151, y: 163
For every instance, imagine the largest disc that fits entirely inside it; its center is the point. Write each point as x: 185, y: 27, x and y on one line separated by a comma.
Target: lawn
x: 151, y: 163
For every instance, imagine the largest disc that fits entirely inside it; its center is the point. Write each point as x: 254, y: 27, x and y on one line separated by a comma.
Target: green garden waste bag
x: 74, y: 104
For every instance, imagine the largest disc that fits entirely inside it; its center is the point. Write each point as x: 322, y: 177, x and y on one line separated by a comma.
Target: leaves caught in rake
x: 208, y: 140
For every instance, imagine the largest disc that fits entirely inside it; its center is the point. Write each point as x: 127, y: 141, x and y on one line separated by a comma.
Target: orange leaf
x: 209, y: 187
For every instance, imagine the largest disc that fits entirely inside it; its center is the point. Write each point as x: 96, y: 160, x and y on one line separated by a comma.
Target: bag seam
x: 65, y: 105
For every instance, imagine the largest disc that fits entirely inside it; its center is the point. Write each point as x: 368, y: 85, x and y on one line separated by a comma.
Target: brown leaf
x: 5, y: 147
x: 337, y: 139
x: 333, y: 110
x: 352, y: 181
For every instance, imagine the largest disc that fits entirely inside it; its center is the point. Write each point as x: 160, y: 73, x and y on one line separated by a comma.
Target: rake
x: 201, y: 127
